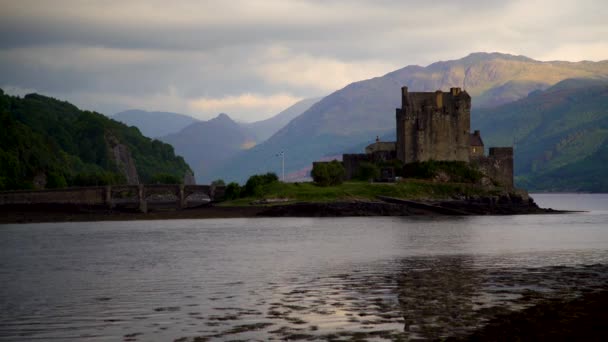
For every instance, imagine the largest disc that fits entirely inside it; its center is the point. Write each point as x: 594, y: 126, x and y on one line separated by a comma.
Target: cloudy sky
x: 251, y: 59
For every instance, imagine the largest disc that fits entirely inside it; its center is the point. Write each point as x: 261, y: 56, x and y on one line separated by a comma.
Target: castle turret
x: 404, y: 94
x: 433, y: 125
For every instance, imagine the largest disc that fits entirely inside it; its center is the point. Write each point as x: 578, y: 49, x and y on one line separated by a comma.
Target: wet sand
x: 581, y: 319
x: 451, y: 302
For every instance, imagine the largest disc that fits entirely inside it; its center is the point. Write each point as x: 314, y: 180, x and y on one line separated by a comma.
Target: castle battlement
x: 433, y: 125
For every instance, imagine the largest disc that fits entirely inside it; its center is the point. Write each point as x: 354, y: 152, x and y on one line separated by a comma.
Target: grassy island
x: 413, y: 189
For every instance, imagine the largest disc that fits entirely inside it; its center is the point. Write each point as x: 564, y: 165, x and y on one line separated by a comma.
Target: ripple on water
x: 311, y: 280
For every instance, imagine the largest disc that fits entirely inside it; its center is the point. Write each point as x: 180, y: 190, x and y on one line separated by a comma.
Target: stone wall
x: 110, y: 195
x: 87, y: 196
x: 498, y: 165
x: 433, y: 125
x: 351, y: 163
x: 477, y: 148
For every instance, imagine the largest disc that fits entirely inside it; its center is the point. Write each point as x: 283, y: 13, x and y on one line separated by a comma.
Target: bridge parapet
x: 110, y: 195
x: 85, y: 195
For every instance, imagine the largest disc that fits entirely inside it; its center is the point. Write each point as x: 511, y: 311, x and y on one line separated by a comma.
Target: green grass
x: 352, y: 191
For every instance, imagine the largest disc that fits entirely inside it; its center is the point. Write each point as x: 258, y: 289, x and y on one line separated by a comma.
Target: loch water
x: 295, y: 278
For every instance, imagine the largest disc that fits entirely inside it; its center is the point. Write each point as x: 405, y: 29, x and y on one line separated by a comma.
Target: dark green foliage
x: 557, y: 135
x: 256, y: 182
x: 233, y: 191
x: 586, y: 175
x: 396, y: 164
x: 218, y: 182
x: 367, y: 171
x: 41, y: 135
x: 55, y: 179
x: 96, y: 178
x: 326, y: 174
x: 165, y: 178
x: 457, y: 171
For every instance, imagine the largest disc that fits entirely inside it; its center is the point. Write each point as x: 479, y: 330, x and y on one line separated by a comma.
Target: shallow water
x: 296, y: 278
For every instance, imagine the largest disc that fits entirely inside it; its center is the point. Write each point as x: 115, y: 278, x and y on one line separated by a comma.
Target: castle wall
x: 498, y: 165
x: 477, y: 148
x: 433, y: 125
x: 352, y: 162
x: 476, y: 152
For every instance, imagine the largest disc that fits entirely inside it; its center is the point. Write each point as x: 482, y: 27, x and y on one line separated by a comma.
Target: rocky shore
x: 506, y: 204
x: 581, y: 319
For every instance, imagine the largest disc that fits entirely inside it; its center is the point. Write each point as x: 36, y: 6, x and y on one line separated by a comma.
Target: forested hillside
x: 49, y: 143
x: 560, y: 135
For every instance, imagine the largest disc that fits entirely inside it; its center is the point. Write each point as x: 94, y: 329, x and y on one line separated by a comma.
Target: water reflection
x: 328, y: 279
x: 426, y: 297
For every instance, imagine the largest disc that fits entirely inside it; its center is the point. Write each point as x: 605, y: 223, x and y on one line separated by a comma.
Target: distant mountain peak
x: 479, y: 56
x: 223, y: 117
x: 154, y: 124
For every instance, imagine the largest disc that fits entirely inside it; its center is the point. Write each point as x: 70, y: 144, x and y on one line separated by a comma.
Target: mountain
x: 560, y: 135
x: 49, y: 143
x: 158, y: 124
x: 362, y: 110
x: 207, y: 144
x: 154, y: 124
x: 264, y: 129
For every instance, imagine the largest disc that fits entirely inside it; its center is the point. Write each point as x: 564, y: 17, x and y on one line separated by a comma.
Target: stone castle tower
x: 433, y: 125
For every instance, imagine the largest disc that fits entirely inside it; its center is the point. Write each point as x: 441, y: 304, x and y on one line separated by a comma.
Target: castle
x: 436, y: 126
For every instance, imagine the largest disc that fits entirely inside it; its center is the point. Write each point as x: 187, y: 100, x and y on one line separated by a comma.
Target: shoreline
x: 39, y: 213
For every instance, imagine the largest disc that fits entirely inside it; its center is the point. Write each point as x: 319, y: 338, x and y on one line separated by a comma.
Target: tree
x: 328, y: 173
x: 256, y: 182
x: 233, y: 191
x: 367, y: 171
x: 165, y: 178
x: 218, y: 182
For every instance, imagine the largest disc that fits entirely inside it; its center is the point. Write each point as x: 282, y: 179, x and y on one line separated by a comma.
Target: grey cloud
x: 214, y: 49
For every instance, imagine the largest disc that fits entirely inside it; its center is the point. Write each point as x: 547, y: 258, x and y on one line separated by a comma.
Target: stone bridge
x: 111, y: 196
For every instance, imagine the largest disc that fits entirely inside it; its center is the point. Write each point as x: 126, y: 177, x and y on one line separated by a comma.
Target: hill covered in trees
x: 47, y: 143
x: 560, y: 135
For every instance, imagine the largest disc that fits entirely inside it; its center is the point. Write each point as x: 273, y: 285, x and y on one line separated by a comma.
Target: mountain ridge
x: 206, y: 144
x: 362, y: 110
x: 154, y: 124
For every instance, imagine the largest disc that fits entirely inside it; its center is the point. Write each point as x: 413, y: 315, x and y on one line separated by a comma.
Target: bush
x: 367, y: 171
x: 164, y: 178
x: 55, y: 180
x: 396, y: 164
x: 233, y: 191
x: 97, y: 178
x: 256, y: 182
x: 326, y: 174
x: 218, y: 182
x: 458, y: 171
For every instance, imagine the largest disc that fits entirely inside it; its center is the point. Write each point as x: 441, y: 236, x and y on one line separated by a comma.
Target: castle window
x: 474, y: 149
